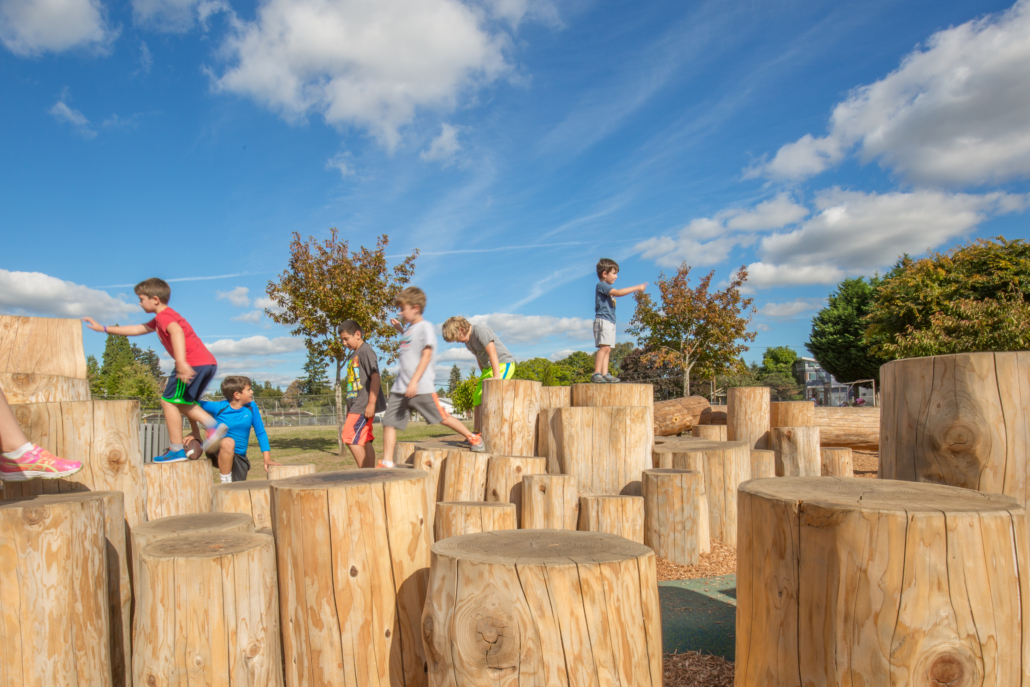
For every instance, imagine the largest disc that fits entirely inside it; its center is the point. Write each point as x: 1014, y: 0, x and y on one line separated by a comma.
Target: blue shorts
x: 181, y: 393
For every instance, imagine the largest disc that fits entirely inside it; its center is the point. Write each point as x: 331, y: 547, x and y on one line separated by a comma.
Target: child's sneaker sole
x: 26, y: 475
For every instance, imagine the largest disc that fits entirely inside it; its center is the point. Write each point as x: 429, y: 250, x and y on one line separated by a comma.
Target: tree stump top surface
x: 194, y: 522
x: 41, y: 500
x: 441, y: 445
x: 670, y: 471
x: 696, y: 445
x: 606, y: 385
x: 205, y: 545
x: 483, y: 504
x: 550, y: 547
x: 245, y: 485
x: 343, y: 479
x: 853, y: 493
x: 614, y: 496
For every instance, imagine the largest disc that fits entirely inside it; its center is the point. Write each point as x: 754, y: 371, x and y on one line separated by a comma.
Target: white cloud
x: 255, y: 345
x: 176, y: 16
x: 561, y: 355
x: 762, y: 275
x: 268, y: 304
x: 443, y: 147
x: 146, y: 60
x: 955, y: 112
x: 63, y: 113
x: 253, y: 317
x: 792, y: 308
x: 32, y: 27
x: 34, y: 293
x: 515, y: 329
x: 455, y: 354
x: 237, y: 296
x: 341, y: 162
x: 362, y: 64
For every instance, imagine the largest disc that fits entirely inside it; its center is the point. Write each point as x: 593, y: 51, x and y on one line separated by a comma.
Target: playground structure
x: 543, y: 566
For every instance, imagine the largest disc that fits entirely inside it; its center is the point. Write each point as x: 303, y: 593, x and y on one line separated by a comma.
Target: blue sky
x: 514, y: 142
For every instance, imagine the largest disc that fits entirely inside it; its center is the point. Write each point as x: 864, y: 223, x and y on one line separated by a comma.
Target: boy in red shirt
x: 195, y: 367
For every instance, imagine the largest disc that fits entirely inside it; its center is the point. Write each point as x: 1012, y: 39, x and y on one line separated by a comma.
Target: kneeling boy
x: 495, y: 362
x: 364, y: 395
x: 239, y: 413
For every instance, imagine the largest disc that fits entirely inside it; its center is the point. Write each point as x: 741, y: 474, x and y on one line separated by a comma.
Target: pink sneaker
x: 214, y: 436
x: 36, y: 462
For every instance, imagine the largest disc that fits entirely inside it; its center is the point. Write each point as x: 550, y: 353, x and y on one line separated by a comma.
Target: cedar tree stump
x: 509, y: 411
x: 504, y: 479
x: 42, y: 360
x: 464, y: 476
x: 621, y: 515
x: 791, y: 414
x: 709, y: 432
x: 621, y: 395
x: 40, y: 388
x: 549, y: 502
x: 353, y: 555
x: 250, y: 497
x: 846, y: 581
x: 208, y: 612
x: 290, y: 470
x: 555, y: 397
x: 837, y: 462
x: 469, y: 517
x: 747, y: 415
x: 431, y: 457
x: 763, y: 463
x: 543, y: 607
x: 673, y: 500
x: 797, y: 451
x: 404, y: 452
x: 183, y: 488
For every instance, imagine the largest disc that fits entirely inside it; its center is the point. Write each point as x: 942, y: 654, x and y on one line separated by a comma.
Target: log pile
x: 250, y: 498
x: 469, y: 517
x: 856, y: 428
x: 679, y: 415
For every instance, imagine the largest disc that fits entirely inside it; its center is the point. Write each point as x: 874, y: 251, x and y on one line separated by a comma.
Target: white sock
x: 175, y: 447
x: 225, y: 478
x: 19, y: 452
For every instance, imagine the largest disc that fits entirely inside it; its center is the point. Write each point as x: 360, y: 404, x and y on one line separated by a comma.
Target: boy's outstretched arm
x: 618, y: 293
x: 127, y: 330
x: 423, y: 363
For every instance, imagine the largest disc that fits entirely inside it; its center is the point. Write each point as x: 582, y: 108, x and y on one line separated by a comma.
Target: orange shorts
x: 357, y: 430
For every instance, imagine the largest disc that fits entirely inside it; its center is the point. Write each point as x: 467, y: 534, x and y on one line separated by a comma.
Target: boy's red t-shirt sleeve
x: 196, y: 352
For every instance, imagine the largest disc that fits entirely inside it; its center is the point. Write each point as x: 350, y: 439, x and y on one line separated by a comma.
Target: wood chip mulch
x: 865, y: 464
x: 721, y: 561
x: 691, y: 669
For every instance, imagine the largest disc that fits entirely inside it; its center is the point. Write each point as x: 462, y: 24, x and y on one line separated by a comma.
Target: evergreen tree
x: 838, y: 340
x: 93, y: 376
x: 315, y: 381
x: 117, y: 356
x: 148, y: 358
x: 455, y: 379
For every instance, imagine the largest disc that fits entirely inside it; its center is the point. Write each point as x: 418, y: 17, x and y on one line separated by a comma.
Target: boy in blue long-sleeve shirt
x: 240, y: 415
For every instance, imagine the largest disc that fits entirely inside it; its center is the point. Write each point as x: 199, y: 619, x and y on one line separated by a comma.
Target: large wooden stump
x: 353, y: 554
x: 181, y: 488
x: 464, y: 476
x: 791, y: 414
x: 54, y: 616
x: 431, y: 457
x: 797, y: 451
x: 763, y: 463
x: 856, y: 428
x: 39, y: 388
x: 104, y: 435
x: 290, y: 470
x: 836, y: 462
x: 549, y: 502
x: 504, y: 479
x: 622, y: 395
x: 250, y: 498
x: 543, y: 607
x: 404, y: 452
x: 877, y: 582
x: 509, y: 411
x: 673, y: 501
x: 208, y: 612
x: 710, y: 432
x: 555, y: 397
x: 747, y: 415
x: 42, y: 345
x: 469, y: 517
x: 621, y: 515
x: 678, y: 415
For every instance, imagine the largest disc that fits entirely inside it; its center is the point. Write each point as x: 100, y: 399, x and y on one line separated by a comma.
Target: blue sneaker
x: 170, y: 456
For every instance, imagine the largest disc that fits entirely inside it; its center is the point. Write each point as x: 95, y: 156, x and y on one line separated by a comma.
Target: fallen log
x: 678, y: 415
x: 856, y: 428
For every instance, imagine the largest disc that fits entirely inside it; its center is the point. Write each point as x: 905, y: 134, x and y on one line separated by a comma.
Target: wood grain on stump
x: 42, y: 345
x: 208, y: 612
x: 469, y: 517
x: 509, y: 413
x: 747, y: 415
x: 679, y: 415
x: 555, y: 397
x: 38, y: 388
x: 797, y: 451
x: 290, y: 470
x: 250, y: 497
x: 791, y: 414
x: 54, y: 617
x: 763, y: 463
x: 621, y: 515
x: 710, y: 432
x: 464, y: 476
x: 404, y: 452
x: 504, y: 479
x: 836, y: 462
x: 182, y: 488
x: 543, y: 607
x: 353, y: 555
x: 845, y: 581
x: 716, y: 415
x: 673, y: 500
x: 431, y: 457
x: 549, y: 502
x: 856, y: 428
x: 620, y: 395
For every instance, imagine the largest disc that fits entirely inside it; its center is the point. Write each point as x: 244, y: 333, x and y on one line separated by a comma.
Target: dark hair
x: 234, y: 385
x: 412, y: 296
x: 606, y: 265
x: 350, y: 328
x: 154, y: 288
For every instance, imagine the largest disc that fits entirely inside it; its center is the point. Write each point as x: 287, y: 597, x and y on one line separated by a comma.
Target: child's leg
x: 226, y: 453
x: 370, y: 455
x: 363, y: 454
x: 389, y: 441
x: 197, y: 414
x: 601, y: 360
x: 457, y: 425
x: 477, y: 421
x: 607, y: 358
x: 11, y: 436
x: 173, y: 418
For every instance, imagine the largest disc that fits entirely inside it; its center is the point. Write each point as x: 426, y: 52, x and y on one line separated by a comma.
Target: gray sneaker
x: 610, y: 379
x: 598, y: 378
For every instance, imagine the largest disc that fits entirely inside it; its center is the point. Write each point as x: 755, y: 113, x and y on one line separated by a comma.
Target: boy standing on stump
x: 604, y: 316
x: 416, y: 379
x: 240, y: 414
x: 495, y: 362
x: 364, y: 395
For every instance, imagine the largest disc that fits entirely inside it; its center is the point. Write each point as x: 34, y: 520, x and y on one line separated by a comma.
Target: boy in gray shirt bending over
x: 604, y: 316
x: 495, y: 362
x: 415, y: 387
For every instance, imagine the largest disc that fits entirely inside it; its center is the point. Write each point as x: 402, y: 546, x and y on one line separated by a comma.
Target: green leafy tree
x: 666, y: 379
x: 265, y: 390
x: 117, y: 356
x: 537, y: 370
x: 780, y: 360
x: 137, y: 381
x: 315, y: 382
x: 149, y: 359
x: 618, y: 354
x: 455, y: 379
x: 96, y: 387
x: 838, y: 339
x: 462, y: 396
x: 576, y: 368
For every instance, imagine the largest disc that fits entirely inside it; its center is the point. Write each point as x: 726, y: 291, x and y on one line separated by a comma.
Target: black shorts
x: 181, y: 393
x: 240, y: 466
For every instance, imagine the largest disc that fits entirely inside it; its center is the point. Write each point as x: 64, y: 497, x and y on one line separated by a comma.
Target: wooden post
x: 763, y: 463
x: 856, y: 428
x: 875, y: 582
x: 464, y: 476
x: 797, y: 451
x: 54, y: 619
x: 250, y: 497
x: 673, y: 500
x: 404, y: 452
x: 747, y: 415
x: 353, y: 555
x: 42, y: 345
x: 509, y: 413
x: 468, y: 517
x: 549, y: 502
x: 678, y: 415
x: 38, y: 388
x: 504, y: 479
x: 526, y: 607
x: 622, y: 395
x: 555, y: 397
x: 431, y: 457
x: 182, y: 488
x: 208, y: 612
x: 546, y: 429
x: 837, y: 462
x: 710, y: 432
x: 621, y: 515
x: 791, y: 414
x: 290, y: 470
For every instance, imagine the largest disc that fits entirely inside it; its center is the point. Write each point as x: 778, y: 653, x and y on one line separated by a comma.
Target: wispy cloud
x: 496, y: 250
x: 79, y: 121
x: 238, y: 296
x: 178, y: 279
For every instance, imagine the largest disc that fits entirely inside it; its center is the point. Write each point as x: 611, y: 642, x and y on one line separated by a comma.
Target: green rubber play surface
x: 699, y: 615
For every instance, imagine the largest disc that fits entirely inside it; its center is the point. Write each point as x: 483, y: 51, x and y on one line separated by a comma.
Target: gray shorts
x: 399, y: 407
x: 604, y: 333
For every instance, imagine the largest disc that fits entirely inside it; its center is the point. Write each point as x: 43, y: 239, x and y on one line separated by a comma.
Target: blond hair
x: 412, y: 296
x: 455, y: 327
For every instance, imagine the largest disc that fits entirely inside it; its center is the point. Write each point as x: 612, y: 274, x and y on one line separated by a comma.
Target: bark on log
x: 42, y: 345
x: 555, y: 397
x: 620, y: 515
x: 710, y: 432
x: 797, y: 451
x: 250, y: 497
x: 104, y: 435
x: 504, y: 479
x: 673, y: 500
x: 38, y: 388
x: 874, y: 582
x: 747, y: 415
x: 469, y: 517
x: 353, y: 559
x: 763, y: 463
x: 509, y: 413
x: 791, y: 414
x: 605, y: 449
x: 678, y: 415
x: 208, y: 612
x: 856, y: 428
x: 54, y: 619
x: 290, y: 470
x: 526, y: 608
x: 182, y: 488
x: 837, y: 462
x: 549, y: 502
x: 716, y: 415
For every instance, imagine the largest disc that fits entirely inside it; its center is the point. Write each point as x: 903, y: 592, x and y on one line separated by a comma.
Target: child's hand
x: 370, y: 411
x: 184, y: 372
x: 93, y: 324
x: 642, y: 287
x: 412, y: 391
x: 396, y: 324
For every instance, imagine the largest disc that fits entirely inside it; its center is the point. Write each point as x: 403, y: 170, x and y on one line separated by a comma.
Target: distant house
x: 820, y: 384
